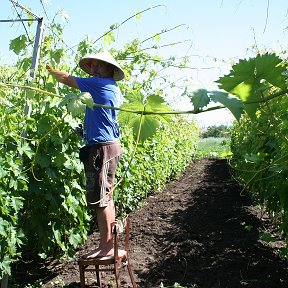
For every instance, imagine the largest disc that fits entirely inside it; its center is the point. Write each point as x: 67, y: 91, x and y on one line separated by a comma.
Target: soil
x: 201, y: 231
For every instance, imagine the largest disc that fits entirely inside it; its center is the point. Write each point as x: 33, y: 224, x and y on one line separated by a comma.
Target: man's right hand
x: 62, y: 76
x: 49, y: 67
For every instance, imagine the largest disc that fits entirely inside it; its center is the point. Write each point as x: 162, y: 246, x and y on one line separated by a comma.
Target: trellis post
x: 33, y: 70
x: 37, y: 45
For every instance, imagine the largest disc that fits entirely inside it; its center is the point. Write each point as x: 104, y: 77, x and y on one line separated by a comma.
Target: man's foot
x: 99, y: 253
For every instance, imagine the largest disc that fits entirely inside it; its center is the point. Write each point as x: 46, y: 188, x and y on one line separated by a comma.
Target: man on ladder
x: 101, y: 133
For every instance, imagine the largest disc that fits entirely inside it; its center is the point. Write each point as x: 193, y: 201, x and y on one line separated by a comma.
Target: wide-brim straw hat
x: 106, y: 57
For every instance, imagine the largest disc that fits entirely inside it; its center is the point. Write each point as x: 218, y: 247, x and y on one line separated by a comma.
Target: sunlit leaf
x: 57, y: 55
x: 150, y: 122
x: 75, y: 239
x: 248, y: 79
x: 147, y: 129
x: 29, y: 16
x: 135, y: 96
x: 18, y: 44
x: 25, y: 149
x: 109, y: 38
x: 76, y: 107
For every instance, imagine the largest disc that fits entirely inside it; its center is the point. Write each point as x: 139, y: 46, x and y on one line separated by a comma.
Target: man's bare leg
x: 105, y: 216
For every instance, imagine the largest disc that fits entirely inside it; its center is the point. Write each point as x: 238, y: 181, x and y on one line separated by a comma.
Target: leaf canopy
x: 250, y: 78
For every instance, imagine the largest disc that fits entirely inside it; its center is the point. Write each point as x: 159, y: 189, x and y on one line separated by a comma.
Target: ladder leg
x: 82, y: 276
x: 98, y: 276
x: 131, y: 275
x: 116, y: 272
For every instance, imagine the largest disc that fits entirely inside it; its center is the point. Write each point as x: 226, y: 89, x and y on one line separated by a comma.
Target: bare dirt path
x: 201, y: 231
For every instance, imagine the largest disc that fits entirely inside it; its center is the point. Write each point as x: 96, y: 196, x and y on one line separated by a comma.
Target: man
x: 101, y: 132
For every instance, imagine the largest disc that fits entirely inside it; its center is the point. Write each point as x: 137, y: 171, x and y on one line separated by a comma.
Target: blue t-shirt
x: 100, y: 124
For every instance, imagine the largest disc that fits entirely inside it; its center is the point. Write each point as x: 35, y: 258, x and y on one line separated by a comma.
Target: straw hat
x: 106, y: 57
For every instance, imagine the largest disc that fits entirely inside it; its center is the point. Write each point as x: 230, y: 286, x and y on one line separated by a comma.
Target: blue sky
x: 218, y: 32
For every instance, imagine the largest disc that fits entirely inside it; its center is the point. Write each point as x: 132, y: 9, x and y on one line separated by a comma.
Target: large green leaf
x: 57, y: 55
x: 229, y: 101
x: 270, y: 67
x: 75, y: 239
x: 134, y: 97
x: 76, y: 104
x: 147, y: 123
x: 248, y: 79
x: 156, y: 104
x: 202, y: 97
x: 18, y: 44
x: 125, y: 118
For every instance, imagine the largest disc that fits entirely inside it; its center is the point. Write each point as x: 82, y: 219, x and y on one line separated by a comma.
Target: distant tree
x: 216, y: 131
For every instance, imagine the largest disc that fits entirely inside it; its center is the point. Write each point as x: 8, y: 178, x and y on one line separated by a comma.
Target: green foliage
x: 249, y: 83
x: 260, y: 145
x: 199, y: 99
x: 259, y: 158
x: 13, y: 180
x: 247, y: 76
x: 229, y: 101
x: 39, y: 173
x: 250, y: 79
x: 18, y: 44
x: 42, y: 183
x: 42, y: 202
x: 216, y: 131
x: 202, y: 98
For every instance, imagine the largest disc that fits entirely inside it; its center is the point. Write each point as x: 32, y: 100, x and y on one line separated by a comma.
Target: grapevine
x: 40, y: 169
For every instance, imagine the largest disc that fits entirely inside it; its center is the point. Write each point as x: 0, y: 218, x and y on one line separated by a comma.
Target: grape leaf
x: 24, y: 148
x: 76, y: 107
x: 69, y: 97
x: 149, y: 122
x: 18, y: 44
x: 29, y: 16
x: 199, y: 99
x: 134, y: 97
x: 76, y: 104
x: 57, y: 55
x: 156, y: 103
x: 229, y: 101
x: 87, y: 99
x: 148, y: 127
x: 249, y: 78
x: 75, y: 239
